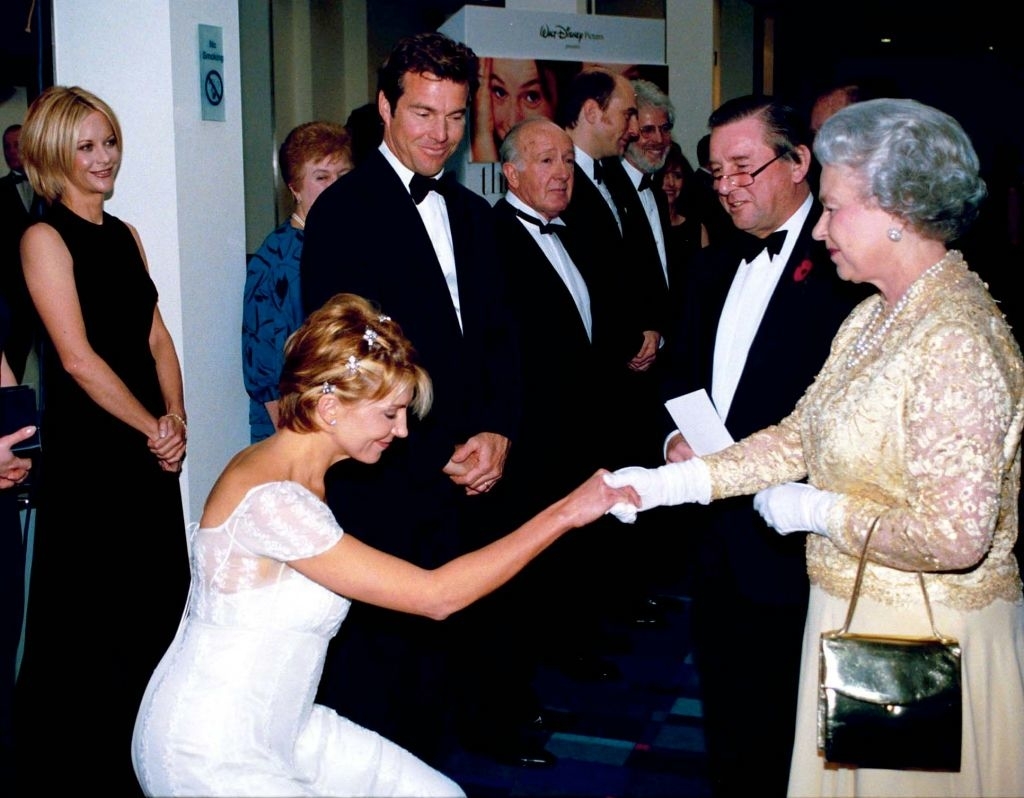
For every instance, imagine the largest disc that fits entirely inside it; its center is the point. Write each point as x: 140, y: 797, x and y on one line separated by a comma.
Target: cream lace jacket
x: 923, y: 432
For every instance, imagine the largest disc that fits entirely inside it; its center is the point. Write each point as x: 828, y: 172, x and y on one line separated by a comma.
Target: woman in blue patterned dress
x: 312, y: 157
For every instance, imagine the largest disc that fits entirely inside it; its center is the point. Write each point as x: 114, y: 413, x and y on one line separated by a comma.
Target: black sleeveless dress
x: 109, y: 573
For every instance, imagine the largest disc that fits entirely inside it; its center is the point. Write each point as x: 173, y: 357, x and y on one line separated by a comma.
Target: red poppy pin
x: 801, y: 271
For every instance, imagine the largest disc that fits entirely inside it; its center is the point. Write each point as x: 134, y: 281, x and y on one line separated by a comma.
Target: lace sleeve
x: 958, y: 413
x: 284, y: 522
x: 764, y: 458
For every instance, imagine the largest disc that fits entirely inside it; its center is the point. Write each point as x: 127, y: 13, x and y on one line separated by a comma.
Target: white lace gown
x: 229, y: 711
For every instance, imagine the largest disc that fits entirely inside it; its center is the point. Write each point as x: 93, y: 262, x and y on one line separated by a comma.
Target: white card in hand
x: 697, y: 419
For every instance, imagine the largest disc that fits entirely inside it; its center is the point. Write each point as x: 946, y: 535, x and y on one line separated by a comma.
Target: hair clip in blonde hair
x: 382, y: 318
x: 352, y: 364
x: 370, y: 336
x: 327, y: 388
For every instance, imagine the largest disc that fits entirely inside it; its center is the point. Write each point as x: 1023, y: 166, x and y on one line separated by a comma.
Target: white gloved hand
x: 675, y: 483
x: 626, y: 513
x: 795, y: 507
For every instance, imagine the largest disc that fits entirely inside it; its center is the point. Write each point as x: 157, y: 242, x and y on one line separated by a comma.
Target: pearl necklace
x: 300, y: 222
x: 871, y: 336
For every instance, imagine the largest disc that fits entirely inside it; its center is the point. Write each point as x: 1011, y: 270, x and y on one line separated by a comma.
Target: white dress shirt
x: 434, y: 213
x: 751, y: 290
x: 558, y: 257
x: 586, y: 163
x: 651, y: 209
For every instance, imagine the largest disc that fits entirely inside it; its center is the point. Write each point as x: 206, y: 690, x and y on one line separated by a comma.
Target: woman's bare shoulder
x: 245, y: 471
x: 41, y: 234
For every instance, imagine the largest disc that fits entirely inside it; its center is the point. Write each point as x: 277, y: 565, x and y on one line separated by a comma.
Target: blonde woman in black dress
x: 110, y: 569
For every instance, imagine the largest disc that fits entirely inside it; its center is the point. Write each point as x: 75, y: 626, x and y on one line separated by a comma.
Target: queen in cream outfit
x: 915, y: 419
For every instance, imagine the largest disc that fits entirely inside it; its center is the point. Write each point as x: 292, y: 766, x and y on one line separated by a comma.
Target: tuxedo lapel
x: 588, y: 209
x: 532, y: 268
x: 662, y: 202
x: 423, y: 271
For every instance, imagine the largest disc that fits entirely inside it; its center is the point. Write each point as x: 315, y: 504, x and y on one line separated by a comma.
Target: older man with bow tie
x: 562, y: 308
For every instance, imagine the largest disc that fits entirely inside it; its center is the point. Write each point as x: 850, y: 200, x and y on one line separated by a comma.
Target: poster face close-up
x: 514, y: 89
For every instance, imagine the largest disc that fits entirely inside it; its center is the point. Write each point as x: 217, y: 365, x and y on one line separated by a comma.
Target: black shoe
x: 645, y: 614
x: 550, y: 719
x: 665, y: 602
x: 588, y: 668
x: 648, y: 618
x: 514, y: 750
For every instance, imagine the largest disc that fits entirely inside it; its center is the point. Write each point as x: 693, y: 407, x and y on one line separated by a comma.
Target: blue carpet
x: 637, y: 737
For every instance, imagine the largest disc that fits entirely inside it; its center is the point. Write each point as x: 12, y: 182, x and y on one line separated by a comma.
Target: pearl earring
x: 894, y: 234
x: 333, y: 422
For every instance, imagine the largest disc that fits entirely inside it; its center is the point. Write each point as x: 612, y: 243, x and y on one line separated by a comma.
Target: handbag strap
x: 860, y: 578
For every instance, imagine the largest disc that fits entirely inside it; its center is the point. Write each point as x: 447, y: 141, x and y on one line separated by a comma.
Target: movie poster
x: 514, y: 89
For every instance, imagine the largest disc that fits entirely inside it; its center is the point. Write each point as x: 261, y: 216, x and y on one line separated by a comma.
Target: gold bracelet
x: 177, y: 418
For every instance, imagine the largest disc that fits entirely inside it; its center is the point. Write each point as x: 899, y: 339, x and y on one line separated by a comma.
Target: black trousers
x: 748, y: 661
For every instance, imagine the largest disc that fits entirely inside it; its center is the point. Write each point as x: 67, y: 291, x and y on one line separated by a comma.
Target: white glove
x: 675, y: 483
x: 626, y: 513
x: 795, y: 507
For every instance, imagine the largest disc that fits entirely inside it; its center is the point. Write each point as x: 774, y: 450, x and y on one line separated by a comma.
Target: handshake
x: 789, y: 507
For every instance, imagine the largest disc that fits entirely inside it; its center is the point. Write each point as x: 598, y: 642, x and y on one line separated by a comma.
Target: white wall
x: 689, y: 53
x: 12, y: 112
x: 737, y: 49
x: 181, y: 186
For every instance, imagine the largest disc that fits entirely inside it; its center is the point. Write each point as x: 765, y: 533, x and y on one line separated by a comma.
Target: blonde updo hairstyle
x: 49, y: 136
x: 352, y: 350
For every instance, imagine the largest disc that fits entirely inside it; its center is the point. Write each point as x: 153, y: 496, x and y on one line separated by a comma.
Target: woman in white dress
x: 915, y: 420
x: 229, y: 710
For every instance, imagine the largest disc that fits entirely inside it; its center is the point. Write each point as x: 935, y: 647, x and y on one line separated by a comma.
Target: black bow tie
x: 751, y: 246
x: 421, y: 185
x: 646, y: 182
x: 18, y: 177
x: 598, y: 172
x: 545, y: 228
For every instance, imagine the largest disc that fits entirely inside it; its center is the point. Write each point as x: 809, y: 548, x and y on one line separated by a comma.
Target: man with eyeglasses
x: 759, y: 313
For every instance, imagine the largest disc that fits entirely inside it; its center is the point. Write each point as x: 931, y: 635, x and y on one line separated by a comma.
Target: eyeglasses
x: 649, y: 130
x: 744, y: 179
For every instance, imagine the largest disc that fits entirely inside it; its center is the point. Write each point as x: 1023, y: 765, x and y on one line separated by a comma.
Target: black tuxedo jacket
x: 365, y: 236
x: 642, y: 258
x: 789, y: 348
x: 598, y: 249
x: 561, y: 369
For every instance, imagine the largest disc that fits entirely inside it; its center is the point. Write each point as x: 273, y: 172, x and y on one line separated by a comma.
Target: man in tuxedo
x: 599, y: 114
x: 550, y: 301
x: 557, y: 307
x: 644, y: 214
x: 631, y: 179
x: 19, y: 207
x: 398, y: 231
x: 760, y: 313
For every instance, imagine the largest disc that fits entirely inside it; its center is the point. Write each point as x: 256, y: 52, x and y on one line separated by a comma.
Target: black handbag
x: 888, y: 701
